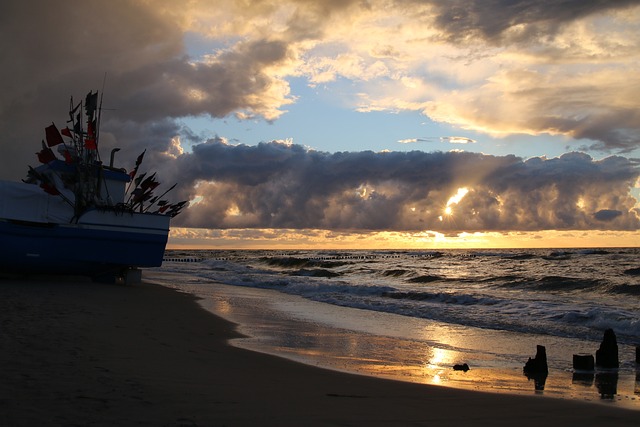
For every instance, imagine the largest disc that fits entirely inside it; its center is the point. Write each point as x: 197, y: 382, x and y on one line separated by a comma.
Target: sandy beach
x: 75, y: 353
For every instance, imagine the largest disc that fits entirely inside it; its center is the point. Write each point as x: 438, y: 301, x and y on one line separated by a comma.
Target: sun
x: 454, y: 200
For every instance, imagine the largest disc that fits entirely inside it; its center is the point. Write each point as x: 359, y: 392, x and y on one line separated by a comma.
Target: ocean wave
x: 501, y: 254
x: 632, y: 271
x: 427, y: 278
x: 398, y: 272
x: 294, y: 262
x: 626, y: 289
x: 316, y: 272
x: 511, y: 290
x: 555, y: 283
x: 441, y: 297
x: 599, y: 319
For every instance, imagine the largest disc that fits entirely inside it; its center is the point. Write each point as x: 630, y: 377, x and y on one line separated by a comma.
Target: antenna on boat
x: 104, y: 80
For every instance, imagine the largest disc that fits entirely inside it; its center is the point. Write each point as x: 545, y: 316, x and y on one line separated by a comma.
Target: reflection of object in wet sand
x: 537, y: 368
x: 607, y: 383
x: 539, y: 381
x: 583, y: 369
x: 583, y: 378
x: 464, y: 367
x: 637, y: 387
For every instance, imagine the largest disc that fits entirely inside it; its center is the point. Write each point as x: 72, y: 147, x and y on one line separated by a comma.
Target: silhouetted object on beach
x: 583, y: 362
x: 463, y: 367
x: 638, y: 354
x: 537, y: 368
x: 537, y: 365
x: 607, y: 384
x: 607, y: 354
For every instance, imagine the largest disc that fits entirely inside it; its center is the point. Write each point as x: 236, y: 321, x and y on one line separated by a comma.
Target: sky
x: 348, y: 123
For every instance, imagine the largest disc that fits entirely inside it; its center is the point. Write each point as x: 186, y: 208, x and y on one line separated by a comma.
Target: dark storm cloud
x: 491, y: 19
x: 275, y: 185
x: 607, y: 214
x: 54, y: 50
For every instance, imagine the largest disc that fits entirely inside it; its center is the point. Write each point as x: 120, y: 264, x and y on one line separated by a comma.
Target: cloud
x: 607, y: 214
x: 458, y: 140
x: 276, y: 185
x: 72, y: 45
x: 498, y: 67
x: 502, y: 21
x: 447, y: 139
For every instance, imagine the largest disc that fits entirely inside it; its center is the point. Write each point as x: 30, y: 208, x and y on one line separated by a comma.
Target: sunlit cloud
x: 458, y: 140
x: 445, y: 139
x: 191, y: 238
x: 284, y: 185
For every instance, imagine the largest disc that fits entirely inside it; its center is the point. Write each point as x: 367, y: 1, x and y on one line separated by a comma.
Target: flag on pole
x: 53, y: 136
x: 133, y: 173
x: 91, y: 103
x: 46, y: 154
x: 90, y: 140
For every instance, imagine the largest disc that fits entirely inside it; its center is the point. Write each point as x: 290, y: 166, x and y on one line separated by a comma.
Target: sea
x: 419, y: 315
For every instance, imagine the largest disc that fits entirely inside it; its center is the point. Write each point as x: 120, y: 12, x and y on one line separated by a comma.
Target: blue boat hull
x: 92, y: 249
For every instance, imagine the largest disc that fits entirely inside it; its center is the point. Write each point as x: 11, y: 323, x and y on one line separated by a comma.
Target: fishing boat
x: 75, y: 215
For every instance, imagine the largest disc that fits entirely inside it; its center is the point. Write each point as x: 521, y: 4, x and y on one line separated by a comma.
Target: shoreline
x: 422, y: 351
x: 76, y: 352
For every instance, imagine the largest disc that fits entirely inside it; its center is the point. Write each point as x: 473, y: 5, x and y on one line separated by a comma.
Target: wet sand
x: 77, y: 353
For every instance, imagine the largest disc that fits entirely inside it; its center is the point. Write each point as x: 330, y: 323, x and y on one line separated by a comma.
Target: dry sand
x: 75, y: 353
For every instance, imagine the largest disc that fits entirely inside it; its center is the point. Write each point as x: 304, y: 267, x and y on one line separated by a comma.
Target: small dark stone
x: 607, y: 354
x: 463, y: 367
x: 538, y: 365
x: 638, y: 354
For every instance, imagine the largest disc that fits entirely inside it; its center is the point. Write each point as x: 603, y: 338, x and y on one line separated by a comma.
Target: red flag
x: 138, y: 162
x: 90, y: 144
x: 91, y: 129
x: 139, y: 179
x: 67, y: 157
x: 150, y: 182
x: 53, y: 136
x: 46, y: 155
x: 138, y: 194
x: 66, y: 132
x: 90, y: 141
